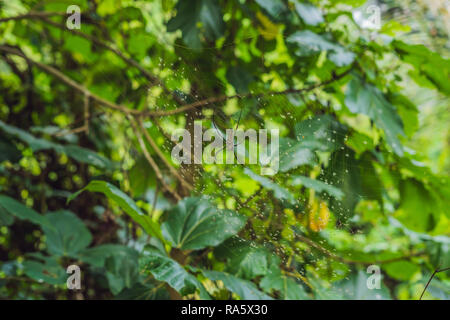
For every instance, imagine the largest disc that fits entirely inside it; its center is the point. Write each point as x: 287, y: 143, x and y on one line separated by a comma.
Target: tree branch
x: 212, y: 100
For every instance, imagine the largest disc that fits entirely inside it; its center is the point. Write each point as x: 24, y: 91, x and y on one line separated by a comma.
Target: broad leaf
x: 243, y: 288
x: 309, y: 43
x: 75, y: 152
x: 66, y: 234
x: 190, y: 14
x: 21, y: 211
x: 310, y: 14
x: 168, y: 270
x: 364, y: 98
x: 194, y: 224
x: 321, y: 133
x: 125, y: 203
x: 46, y: 270
x: 244, y: 259
x: 122, y: 268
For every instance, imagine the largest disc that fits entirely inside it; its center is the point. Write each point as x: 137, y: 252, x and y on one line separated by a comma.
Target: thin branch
x: 44, y: 16
x: 152, y: 162
x: 161, y: 113
x: 158, y: 151
x: 33, y: 15
x: 75, y: 85
x: 212, y: 100
x: 86, y: 113
x: 431, y: 278
x: 155, y: 80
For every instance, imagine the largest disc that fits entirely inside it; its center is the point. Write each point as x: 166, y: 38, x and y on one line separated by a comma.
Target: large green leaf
x: 21, y: 211
x: 44, y: 269
x: 275, y: 281
x: 122, y: 268
x: 141, y: 176
x: 427, y: 64
x: 194, y: 224
x: 75, y: 152
x: 309, y: 43
x: 192, y: 14
x: 272, y: 7
x: 419, y: 209
x: 6, y: 218
x: 310, y: 14
x: 288, y: 288
x: 125, y: 203
x: 293, y: 154
x: 244, y: 259
x: 66, y: 234
x: 245, y: 289
x: 364, y: 98
x: 321, y: 133
x: 168, y: 270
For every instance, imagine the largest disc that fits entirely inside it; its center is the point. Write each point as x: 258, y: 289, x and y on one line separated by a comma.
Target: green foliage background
x: 86, y: 175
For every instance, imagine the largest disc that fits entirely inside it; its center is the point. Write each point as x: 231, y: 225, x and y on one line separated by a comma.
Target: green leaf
x: 35, y: 144
x: 274, y: 280
x: 47, y: 270
x: 125, y: 203
x: 427, y: 63
x: 75, y: 152
x: 21, y: 211
x: 66, y: 234
x: 279, y: 192
x: 294, y: 154
x: 322, y: 133
x: 195, y: 224
x: 168, y: 270
x: 195, y: 18
x: 289, y: 288
x: 6, y: 219
x: 272, y: 7
x: 317, y: 185
x: 364, y: 98
x: 122, y: 268
x: 401, y: 270
x: 84, y: 155
x: 310, y: 14
x: 9, y: 151
x: 341, y: 174
x: 141, y: 177
x: 239, y: 78
x: 244, y: 259
x: 418, y: 210
x: 309, y: 43
x: 245, y: 289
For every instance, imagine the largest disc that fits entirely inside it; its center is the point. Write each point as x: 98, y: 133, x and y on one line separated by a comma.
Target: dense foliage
x: 87, y: 178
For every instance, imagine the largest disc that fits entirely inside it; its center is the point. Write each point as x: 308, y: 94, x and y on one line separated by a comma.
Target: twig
x: 56, y: 73
x: 152, y: 162
x: 33, y: 15
x: 431, y: 278
x: 213, y: 100
x: 158, y: 151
